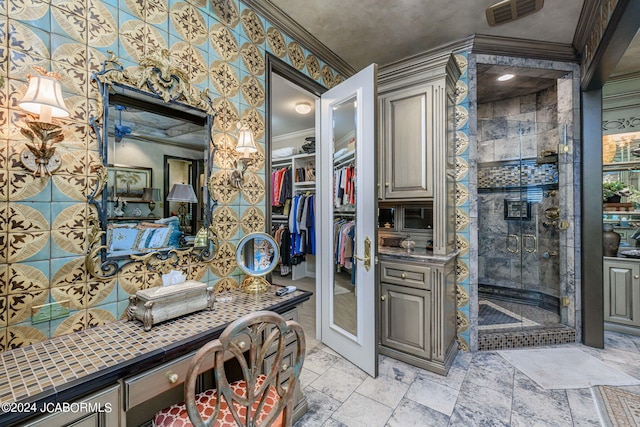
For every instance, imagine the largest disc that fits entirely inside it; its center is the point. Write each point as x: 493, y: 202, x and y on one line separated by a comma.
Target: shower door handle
x: 529, y: 238
x: 514, y: 249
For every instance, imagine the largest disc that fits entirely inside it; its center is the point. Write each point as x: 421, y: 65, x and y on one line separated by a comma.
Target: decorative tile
x: 189, y: 23
x: 226, y: 11
x: 276, y: 42
x: 224, y: 42
x: 252, y: 26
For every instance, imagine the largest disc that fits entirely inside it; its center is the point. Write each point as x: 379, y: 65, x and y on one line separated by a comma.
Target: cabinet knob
x: 285, y: 367
x: 404, y: 276
x: 386, y: 184
x: 173, y: 378
x: 636, y: 277
x: 383, y: 297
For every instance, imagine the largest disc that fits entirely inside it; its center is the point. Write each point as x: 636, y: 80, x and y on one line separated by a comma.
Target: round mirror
x: 257, y: 255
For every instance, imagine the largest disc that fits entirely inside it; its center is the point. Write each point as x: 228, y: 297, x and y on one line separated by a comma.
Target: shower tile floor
x: 504, y: 316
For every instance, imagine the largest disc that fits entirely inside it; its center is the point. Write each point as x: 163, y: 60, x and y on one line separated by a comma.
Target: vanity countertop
x: 417, y: 255
x: 65, y: 368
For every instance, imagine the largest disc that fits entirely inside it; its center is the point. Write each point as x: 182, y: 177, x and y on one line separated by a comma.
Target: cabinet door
x: 405, y: 315
x: 101, y: 409
x: 408, y: 143
x: 622, y: 292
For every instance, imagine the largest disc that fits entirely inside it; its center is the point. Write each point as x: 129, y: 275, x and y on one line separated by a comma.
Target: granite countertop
x: 417, y: 255
x: 65, y: 368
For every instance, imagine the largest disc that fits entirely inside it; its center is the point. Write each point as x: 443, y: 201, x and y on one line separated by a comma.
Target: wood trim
x: 285, y: 23
x: 621, y: 28
x: 522, y: 48
x: 587, y: 20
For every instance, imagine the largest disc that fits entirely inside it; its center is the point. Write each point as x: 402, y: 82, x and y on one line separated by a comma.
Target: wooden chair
x: 250, y: 340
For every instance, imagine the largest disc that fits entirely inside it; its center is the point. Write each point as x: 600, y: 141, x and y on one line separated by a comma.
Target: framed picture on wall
x: 517, y: 209
x: 127, y: 182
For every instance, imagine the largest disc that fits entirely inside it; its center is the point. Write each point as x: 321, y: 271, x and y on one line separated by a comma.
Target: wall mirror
x: 155, y: 144
x: 257, y: 256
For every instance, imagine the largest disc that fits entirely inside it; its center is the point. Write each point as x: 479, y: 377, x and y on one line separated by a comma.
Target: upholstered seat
x: 267, y: 396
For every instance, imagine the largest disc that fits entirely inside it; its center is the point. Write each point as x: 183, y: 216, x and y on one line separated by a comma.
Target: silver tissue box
x: 155, y: 305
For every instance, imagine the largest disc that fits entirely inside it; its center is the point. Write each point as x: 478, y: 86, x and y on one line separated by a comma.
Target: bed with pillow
x: 124, y: 239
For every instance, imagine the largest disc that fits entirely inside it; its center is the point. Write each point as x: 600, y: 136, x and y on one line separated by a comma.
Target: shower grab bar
x: 513, y: 249
x: 527, y: 238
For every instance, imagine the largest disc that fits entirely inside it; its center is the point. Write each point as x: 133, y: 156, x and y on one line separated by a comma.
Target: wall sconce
x: 151, y: 195
x: 246, y: 145
x: 43, y: 98
x: 182, y: 193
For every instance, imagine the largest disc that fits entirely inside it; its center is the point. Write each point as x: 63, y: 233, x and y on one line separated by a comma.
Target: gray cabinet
x: 101, y: 409
x: 402, y: 306
x: 417, y: 312
x: 416, y: 147
x: 621, y: 292
x: 407, y: 132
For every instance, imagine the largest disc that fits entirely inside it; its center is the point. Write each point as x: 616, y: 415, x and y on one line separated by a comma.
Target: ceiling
x: 383, y: 32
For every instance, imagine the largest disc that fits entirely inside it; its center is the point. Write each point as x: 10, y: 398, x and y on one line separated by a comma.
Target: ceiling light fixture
x: 505, y: 77
x: 303, y: 108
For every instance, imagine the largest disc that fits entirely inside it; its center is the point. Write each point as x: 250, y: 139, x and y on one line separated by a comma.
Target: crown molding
x: 586, y: 22
x: 523, y: 48
x: 285, y: 23
x: 297, y: 134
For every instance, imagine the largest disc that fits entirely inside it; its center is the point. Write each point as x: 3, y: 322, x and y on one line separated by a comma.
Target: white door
x: 347, y: 219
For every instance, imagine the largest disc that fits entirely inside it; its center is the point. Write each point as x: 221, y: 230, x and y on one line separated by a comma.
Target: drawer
x: 147, y: 385
x: 289, y: 315
x: 417, y: 276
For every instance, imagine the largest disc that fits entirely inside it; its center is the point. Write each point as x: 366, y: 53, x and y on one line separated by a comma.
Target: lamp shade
x: 150, y: 194
x: 182, y: 193
x: 44, y: 97
x: 246, y: 144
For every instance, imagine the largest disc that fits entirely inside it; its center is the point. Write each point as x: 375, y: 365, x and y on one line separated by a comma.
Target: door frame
x: 274, y: 65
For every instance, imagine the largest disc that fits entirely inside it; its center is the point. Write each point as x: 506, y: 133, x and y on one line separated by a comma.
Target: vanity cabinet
x: 407, y: 151
x: 417, y: 313
x: 621, y: 294
x: 101, y: 409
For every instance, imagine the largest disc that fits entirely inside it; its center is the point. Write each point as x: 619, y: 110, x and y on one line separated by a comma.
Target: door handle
x: 367, y: 254
x: 529, y: 238
x: 514, y: 249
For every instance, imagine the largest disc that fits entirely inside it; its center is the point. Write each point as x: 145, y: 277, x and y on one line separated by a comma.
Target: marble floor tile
x: 583, y: 407
x: 361, y: 411
x: 397, y: 370
x: 410, y: 413
x: 319, y: 361
x: 533, y: 404
x: 433, y: 395
x: 336, y: 384
x: 383, y: 390
x: 321, y: 407
x: 481, y: 389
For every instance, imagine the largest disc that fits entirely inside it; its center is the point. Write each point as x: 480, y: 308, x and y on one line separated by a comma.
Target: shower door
x: 518, y: 219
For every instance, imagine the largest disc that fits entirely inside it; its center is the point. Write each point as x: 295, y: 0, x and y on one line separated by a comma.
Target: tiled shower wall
x: 510, y: 129
x: 43, y: 222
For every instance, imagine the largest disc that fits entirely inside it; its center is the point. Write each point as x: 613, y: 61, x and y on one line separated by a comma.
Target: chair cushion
x: 176, y: 415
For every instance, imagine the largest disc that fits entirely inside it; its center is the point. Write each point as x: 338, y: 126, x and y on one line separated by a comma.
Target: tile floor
x: 481, y: 389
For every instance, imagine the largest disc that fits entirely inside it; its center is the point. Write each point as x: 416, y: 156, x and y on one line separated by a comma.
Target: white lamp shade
x: 44, y: 97
x: 182, y: 193
x: 246, y: 144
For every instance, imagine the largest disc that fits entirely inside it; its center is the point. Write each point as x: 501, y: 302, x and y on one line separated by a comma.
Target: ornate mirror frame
x: 156, y: 79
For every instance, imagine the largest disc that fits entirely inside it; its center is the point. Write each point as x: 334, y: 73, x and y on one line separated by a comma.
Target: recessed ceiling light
x: 505, y: 77
x: 303, y: 108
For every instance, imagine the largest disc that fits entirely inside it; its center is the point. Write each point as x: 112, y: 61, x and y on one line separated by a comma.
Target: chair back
x: 250, y: 340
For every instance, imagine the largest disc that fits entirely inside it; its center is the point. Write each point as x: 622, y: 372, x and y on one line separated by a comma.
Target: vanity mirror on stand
x: 257, y: 255
x: 150, y: 113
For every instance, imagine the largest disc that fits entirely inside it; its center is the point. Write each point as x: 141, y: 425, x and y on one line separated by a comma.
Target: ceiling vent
x: 510, y: 10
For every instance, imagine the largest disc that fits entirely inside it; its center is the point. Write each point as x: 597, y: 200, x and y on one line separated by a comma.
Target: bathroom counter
x: 417, y: 255
x: 68, y: 367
